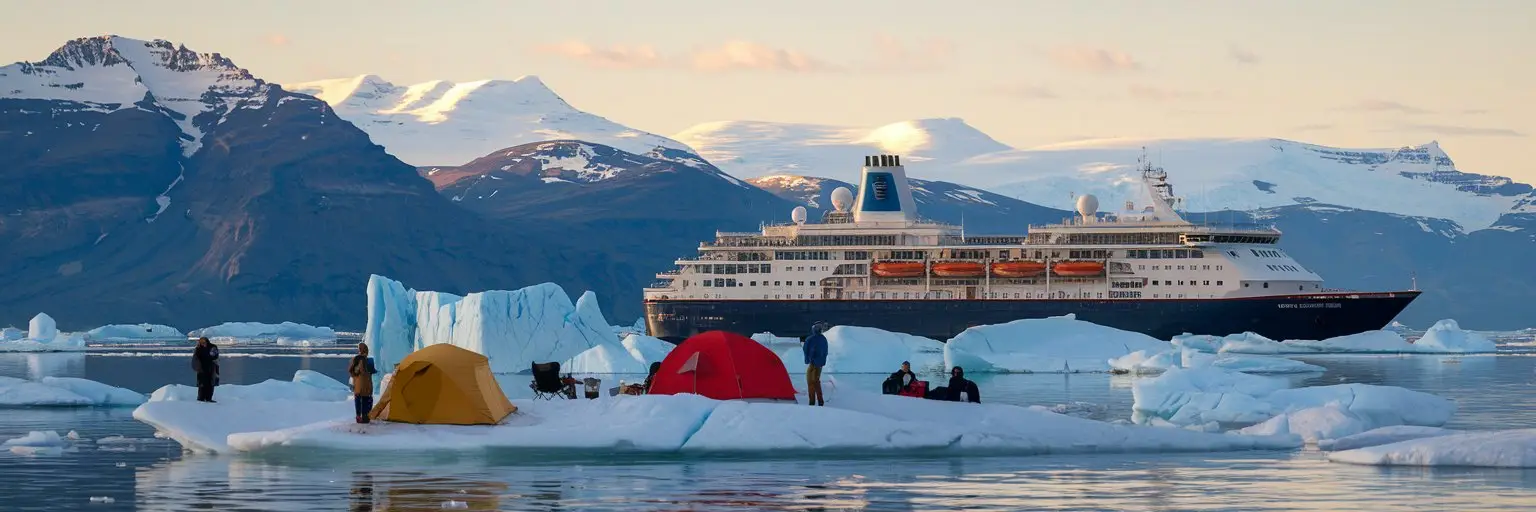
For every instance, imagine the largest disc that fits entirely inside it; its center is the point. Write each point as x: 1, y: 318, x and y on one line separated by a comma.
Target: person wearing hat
x: 815, y: 348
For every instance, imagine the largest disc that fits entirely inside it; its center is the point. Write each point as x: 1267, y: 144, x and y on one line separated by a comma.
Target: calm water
x: 152, y: 474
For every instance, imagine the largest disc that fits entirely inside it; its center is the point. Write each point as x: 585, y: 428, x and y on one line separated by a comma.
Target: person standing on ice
x: 815, y: 349
x: 205, y: 362
x: 361, y: 369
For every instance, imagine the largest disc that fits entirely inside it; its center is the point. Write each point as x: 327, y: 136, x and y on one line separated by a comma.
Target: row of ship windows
x: 732, y: 283
x: 1180, y: 267
x: 1191, y: 283
x: 1283, y: 268
x: 1164, y: 254
x: 1265, y: 253
x: 752, y: 269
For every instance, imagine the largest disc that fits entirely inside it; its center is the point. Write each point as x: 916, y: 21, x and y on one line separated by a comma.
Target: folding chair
x: 547, y: 384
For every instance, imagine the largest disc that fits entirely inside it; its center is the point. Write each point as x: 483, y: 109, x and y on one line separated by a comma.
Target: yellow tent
x: 444, y: 385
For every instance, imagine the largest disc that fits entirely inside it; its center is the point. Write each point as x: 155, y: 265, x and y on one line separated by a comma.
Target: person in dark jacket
x: 650, y: 377
x: 361, y: 369
x: 205, y: 363
x: 961, y: 388
x: 900, y: 379
x: 815, y: 349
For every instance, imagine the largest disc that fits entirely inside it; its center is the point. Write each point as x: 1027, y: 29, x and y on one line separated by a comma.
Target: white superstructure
x: 879, y: 249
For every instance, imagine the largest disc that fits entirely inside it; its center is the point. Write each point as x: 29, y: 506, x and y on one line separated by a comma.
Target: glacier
x: 514, y: 329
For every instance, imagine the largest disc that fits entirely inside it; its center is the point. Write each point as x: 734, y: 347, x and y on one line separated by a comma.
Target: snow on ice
x: 63, y: 392
x: 1061, y: 344
x: 514, y: 329
x: 1498, y: 449
x: 1203, y: 396
x: 306, y: 385
x: 671, y: 423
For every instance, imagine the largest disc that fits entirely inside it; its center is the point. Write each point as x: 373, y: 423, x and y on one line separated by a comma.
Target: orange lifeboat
x: 1018, y: 268
x: 898, y: 269
x: 1079, y: 268
x: 958, y: 269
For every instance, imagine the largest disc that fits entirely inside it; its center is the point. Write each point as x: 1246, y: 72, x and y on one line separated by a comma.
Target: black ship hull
x: 1298, y: 317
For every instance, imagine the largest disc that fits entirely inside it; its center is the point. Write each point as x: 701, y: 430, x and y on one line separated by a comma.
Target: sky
x: 1362, y: 73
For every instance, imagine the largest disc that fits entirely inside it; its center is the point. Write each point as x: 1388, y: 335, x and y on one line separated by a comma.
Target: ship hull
x: 1313, y: 317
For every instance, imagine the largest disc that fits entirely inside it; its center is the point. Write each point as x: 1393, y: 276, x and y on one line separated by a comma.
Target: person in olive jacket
x: 361, y: 369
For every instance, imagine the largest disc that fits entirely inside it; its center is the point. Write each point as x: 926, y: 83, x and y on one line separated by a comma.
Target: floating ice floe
x: 1497, y: 449
x: 633, y: 355
x: 1148, y: 362
x: 852, y: 420
x: 42, y: 336
x: 133, y: 332
x: 306, y: 385
x: 36, y: 439
x: 1203, y: 396
x: 260, y: 331
x: 1383, y: 435
x: 64, y: 392
x: 1061, y: 344
x: 1445, y: 337
x: 511, y: 328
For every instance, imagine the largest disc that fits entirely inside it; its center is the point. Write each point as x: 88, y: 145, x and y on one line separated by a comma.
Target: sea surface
x: 146, y: 473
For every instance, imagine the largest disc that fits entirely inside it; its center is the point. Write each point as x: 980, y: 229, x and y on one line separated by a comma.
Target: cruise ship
x: 873, y: 262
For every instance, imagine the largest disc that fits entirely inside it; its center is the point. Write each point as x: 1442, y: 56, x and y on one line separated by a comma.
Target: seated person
x: 904, y: 382
x: 641, y: 389
x: 959, y: 389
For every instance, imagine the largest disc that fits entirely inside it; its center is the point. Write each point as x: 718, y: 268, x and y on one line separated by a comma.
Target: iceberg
x: 633, y: 355
x: 1447, y: 337
x: 42, y: 327
x: 36, y: 439
x: 1495, y: 449
x: 12, y: 334
x: 1202, y: 395
x: 514, y: 329
x: 1060, y: 344
x: 1146, y: 362
x: 133, y: 332
x: 687, y: 423
x: 64, y: 392
x: 260, y: 331
x: 42, y: 336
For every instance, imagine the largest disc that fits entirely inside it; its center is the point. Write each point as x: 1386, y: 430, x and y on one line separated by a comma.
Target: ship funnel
x: 884, y: 195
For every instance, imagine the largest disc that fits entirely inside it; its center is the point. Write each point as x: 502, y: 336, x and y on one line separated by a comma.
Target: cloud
x: 1153, y: 93
x: 1024, y: 92
x: 1379, y: 105
x: 1464, y: 131
x: 613, y: 57
x: 1314, y: 127
x: 1242, y: 56
x: 277, y: 40
x: 1093, y: 60
x: 892, y: 54
x: 746, y: 55
x: 1474, y: 111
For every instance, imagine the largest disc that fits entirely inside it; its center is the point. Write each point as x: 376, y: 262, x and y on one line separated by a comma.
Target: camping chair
x: 547, y: 384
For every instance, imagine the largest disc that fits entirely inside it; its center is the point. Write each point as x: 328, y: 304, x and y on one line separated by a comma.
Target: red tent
x: 723, y: 366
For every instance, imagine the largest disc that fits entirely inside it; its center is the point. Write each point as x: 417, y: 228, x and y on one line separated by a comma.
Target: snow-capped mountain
x: 750, y: 149
x: 1243, y: 174
x: 979, y: 211
x: 148, y: 182
x: 1212, y: 174
x: 445, y: 123
x: 569, y: 161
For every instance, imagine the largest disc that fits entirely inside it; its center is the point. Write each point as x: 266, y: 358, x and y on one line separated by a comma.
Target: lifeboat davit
x: 1018, y: 268
x: 1078, y: 268
x: 899, y: 269
x: 958, y: 269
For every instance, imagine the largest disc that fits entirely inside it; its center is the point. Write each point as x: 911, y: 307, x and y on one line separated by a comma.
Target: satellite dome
x: 798, y: 215
x: 1087, y: 206
x: 842, y: 198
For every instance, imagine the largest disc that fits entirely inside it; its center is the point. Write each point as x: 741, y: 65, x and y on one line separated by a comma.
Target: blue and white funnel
x: 884, y: 195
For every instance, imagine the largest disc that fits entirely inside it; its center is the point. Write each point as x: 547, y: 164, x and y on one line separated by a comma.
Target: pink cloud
x: 892, y: 54
x: 612, y: 57
x: 747, y: 55
x: 1093, y: 60
x: 277, y: 39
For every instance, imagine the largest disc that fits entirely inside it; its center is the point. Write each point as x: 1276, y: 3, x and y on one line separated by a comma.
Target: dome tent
x: 445, y: 385
x: 723, y: 366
